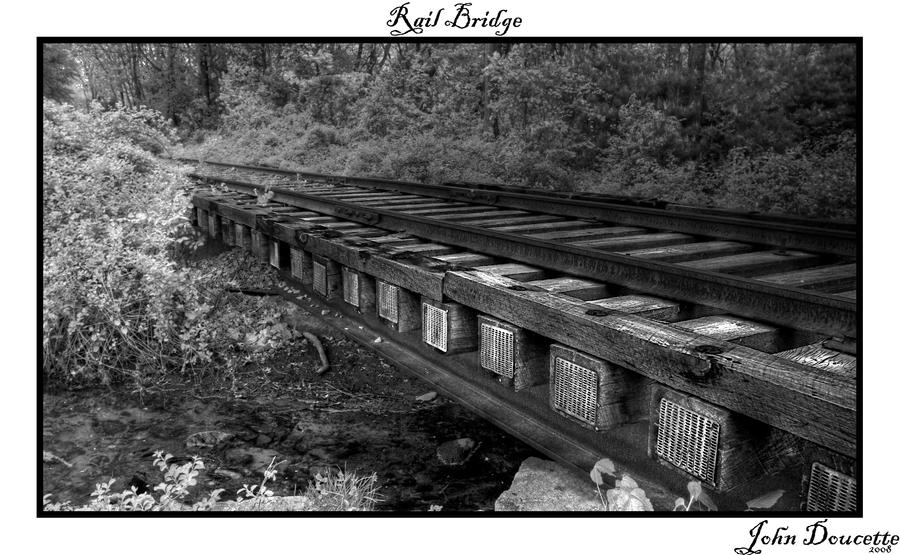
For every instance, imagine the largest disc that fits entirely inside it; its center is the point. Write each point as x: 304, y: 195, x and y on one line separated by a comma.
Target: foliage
x: 811, y: 178
x: 695, y: 493
x: 175, y: 488
x: 343, y: 491
x: 120, y: 299
x: 59, y: 72
x: 627, y: 495
x: 258, y: 493
x: 747, y: 126
x: 112, y: 216
x: 332, y: 492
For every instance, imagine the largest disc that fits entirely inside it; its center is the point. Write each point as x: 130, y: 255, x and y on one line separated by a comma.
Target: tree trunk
x: 133, y: 51
x: 170, y: 82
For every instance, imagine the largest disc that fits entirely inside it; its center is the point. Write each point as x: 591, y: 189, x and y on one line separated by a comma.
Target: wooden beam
x: 645, y: 305
x: 584, y: 289
x: 731, y: 328
x: 818, y: 356
x: 512, y: 270
x: 823, y: 278
x: 635, y: 241
x: 817, y: 405
x: 527, y: 229
x: 594, y: 233
x: 691, y: 251
x: 756, y: 263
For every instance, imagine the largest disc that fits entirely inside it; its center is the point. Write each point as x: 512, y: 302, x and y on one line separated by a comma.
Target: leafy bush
x: 548, y: 117
x: 175, y: 487
x: 816, y: 179
x: 627, y: 495
x: 343, y: 491
x: 335, y: 491
x: 321, y: 136
x: 119, y: 300
x: 112, y: 218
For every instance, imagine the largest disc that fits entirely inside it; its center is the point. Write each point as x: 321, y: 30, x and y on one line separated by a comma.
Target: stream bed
x: 361, y: 417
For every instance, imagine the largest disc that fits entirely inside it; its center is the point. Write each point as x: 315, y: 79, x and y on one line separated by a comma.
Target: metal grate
x: 387, y: 302
x: 296, y: 263
x: 351, y: 287
x: 319, y: 278
x: 830, y: 490
x: 687, y: 440
x: 575, y: 390
x: 434, y: 326
x: 497, y: 350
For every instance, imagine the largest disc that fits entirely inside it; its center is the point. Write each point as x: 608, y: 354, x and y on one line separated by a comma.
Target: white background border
x: 559, y: 18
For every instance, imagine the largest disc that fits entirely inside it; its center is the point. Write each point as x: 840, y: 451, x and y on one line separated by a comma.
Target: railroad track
x: 673, y: 317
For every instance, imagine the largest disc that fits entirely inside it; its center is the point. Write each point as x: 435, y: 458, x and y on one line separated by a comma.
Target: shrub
x: 118, y: 299
x: 112, y: 218
x: 814, y: 179
x: 343, y: 491
x: 333, y: 491
x: 321, y: 136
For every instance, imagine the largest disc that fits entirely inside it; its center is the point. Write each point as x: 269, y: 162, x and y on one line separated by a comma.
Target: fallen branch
x: 51, y: 458
x: 341, y: 391
x: 253, y: 291
x: 324, y: 367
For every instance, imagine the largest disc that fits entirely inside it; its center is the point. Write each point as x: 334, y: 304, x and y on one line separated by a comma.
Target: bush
x: 119, y: 299
x: 333, y: 491
x: 813, y: 179
x: 321, y: 136
x: 112, y: 217
x: 343, y: 491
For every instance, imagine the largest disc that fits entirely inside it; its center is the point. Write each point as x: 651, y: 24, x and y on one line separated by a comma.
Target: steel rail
x: 808, y: 235
x: 785, y: 306
x: 569, y: 195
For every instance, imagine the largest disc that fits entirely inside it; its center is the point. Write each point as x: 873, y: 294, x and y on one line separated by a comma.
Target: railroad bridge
x: 682, y: 343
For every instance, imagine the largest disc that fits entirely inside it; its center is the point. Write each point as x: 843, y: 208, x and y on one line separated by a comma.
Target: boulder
x: 254, y: 458
x: 207, y: 439
x: 227, y: 473
x: 541, y: 485
x: 286, y: 503
x: 456, y: 452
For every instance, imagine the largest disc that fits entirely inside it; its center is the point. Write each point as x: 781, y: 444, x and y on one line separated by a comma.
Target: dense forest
x: 768, y: 127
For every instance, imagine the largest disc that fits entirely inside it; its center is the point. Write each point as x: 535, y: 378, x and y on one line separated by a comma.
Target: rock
x: 255, y: 458
x: 456, y: 452
x: 541, y: 485
x: 225, y: 473
x: 247, y: 436
x: 628, y: 499
x: 263, y: 440
x: 430, y: 396
x: 207, y: 439
x: 286, y: 503
x: 766, y: 500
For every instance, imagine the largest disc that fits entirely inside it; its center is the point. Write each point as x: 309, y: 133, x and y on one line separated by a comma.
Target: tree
x: 59, y: 73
